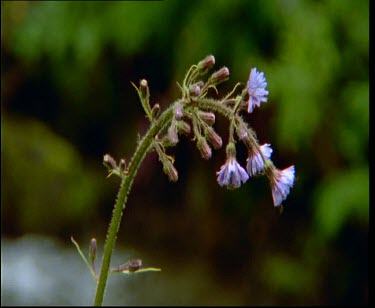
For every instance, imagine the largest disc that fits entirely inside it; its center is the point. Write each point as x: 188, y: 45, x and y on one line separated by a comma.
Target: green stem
x: 127, y: 180
x: 122, y: 195
x: 214, y: 105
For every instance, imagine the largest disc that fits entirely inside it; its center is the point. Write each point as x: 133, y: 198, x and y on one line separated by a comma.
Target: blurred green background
x: 67, y: 100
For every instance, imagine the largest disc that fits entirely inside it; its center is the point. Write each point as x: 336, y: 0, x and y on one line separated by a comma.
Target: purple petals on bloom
x: 256, y: 88
x: 255, y: 162
x: 281, y: 182
x: 232, y: 174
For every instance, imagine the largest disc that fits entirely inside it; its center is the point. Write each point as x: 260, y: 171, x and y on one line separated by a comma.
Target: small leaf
x: 142, y: 270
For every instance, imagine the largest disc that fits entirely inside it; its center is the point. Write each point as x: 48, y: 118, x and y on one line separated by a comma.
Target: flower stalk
x: 126, y: 183
x: 196, y: 108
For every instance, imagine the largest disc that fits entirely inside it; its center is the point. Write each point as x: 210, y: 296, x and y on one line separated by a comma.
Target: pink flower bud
x: 170, y: 170
x: 208, y: 117
x: 220, y: 75
x: 213, y: 138
x: 206, y: 63
x: 204, y: 148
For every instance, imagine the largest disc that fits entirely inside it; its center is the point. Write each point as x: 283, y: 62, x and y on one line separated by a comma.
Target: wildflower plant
x: 193, y: 114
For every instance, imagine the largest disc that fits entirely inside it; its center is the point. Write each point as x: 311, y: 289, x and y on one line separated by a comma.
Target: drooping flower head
x: 256, y: 87
x: 281, y: 182
x: 255, y: 163
x: 231, y: 173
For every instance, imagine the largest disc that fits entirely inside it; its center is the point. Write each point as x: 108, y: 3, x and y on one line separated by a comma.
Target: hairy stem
x: 127, y: 180
x: 122, y: 195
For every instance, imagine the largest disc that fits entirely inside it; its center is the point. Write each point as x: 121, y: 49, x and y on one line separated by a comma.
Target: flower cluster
x: 258, y: 161
x: 195, y: 113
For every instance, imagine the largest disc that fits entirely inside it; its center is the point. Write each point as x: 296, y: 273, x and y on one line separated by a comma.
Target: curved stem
x: 127, y: 180
x: 214, y: 105
x: 122, y: 195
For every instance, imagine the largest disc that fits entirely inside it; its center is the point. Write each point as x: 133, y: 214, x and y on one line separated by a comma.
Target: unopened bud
x: 144, y: 88
x: 170, y: 170
x: 183, y: 127
x: 206, y: 63
x: 204, y: 148
x: 194, y: 90
x: 130, y: 265
x: 144, y: 96
x: 122, y: 165
x: 155, y: 111
x: 242, y: 133
x: 109, y: 162
x: 213, y: 138
x: 178, y: 112
x: 134, y: 265
x: 92, y: 250
x: 208, y: 117
x: 200, y: 84
x: 220, y: 75
x: 246, y: 135
x: 172, y: 133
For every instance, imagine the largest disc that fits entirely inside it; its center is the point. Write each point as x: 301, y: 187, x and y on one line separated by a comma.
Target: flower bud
x: 220, y: 75
x: 130, y: 265
x: 143, y: 86
x: 109, y: 162
x: 194, y: 90
x: 134, y: 265
x: 170, y: 170
x: 204, y: 148
x: 172, y: 133
x: 246, y: 135
x: 92, y: 250
x: 155, y: 111
x: 144, y: 96
x: 206, y: 63
x: 178, y: 112
x: 200, y: 84
x: 122, y: 165
x: 183, y: 127
x: 213, y: 138
x: 242, y: 133
x: 208, y: 117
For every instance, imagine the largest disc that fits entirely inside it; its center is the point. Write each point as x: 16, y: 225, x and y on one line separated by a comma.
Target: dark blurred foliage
x: 67, y: 100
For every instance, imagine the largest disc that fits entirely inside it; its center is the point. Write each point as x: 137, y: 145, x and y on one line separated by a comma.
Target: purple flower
x: 255, y: 162
x: 232, y: 174
x: 256, y: 88
x: 281, y: 182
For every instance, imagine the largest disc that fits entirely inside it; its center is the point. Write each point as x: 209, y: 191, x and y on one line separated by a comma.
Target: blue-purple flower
x: 256, y: 88
x: 232, y: 174
x: 255, y: 162
x: 281, y: 182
